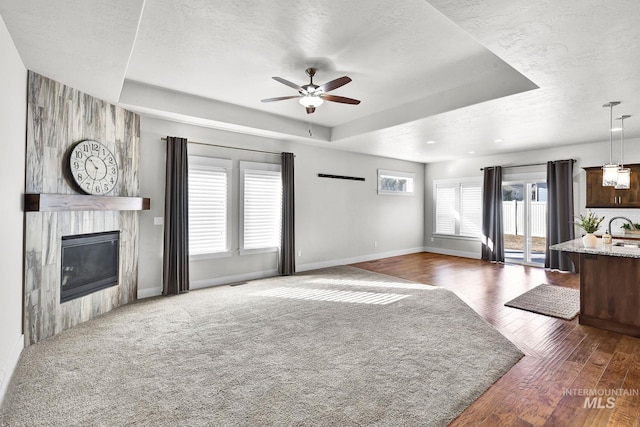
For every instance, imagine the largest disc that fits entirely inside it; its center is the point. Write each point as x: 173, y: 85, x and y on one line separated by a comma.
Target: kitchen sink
x: 627, y: 244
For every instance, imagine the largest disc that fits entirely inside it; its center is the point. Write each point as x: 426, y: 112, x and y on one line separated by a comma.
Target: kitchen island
x: 609, y: 284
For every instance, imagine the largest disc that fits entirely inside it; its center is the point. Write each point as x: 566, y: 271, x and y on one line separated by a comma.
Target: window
x: 209, y: 181
x: 445, y: 209
x: 470, y: 209
x: 458, y: 208
x: 261, y: 206
x: 399, y: 183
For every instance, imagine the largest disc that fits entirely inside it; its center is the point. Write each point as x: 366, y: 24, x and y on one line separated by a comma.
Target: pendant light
x: 624, y: 174
x: 610, y: 170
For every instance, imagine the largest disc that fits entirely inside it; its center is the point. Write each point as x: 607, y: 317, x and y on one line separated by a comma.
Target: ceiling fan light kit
x: 310, y: 101
x: 311, y: 95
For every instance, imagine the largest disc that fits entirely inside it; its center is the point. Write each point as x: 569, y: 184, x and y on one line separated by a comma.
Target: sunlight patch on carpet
x: 332, y: 295
x: 372, y: 283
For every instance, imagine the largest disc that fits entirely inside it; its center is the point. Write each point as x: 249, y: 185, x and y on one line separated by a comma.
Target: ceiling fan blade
x: 280, y: 98
x: 311, y: 110
x: 287, y: 82
x: 341, y: 99
x: 334, y: 84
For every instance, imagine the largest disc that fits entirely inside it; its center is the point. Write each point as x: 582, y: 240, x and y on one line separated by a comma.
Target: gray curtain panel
x: 288, y: 244
x: 175, y: 277
x: 492, y: 234
x: 559, y: 212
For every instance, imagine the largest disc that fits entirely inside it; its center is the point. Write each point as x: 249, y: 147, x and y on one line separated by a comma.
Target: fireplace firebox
x: 89, y: 263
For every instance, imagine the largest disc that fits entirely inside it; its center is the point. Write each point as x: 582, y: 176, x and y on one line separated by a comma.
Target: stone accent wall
x: 57, y: 118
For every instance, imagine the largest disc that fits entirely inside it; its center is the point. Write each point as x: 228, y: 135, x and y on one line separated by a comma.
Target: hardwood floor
x: 560, y: 355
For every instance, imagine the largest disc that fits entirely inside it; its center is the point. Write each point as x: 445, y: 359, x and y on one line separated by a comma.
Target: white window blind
x: 445, y: 209
x: 262, y: 205
x: 458, y: 208
x: 208, y: 205
x: 470, y: 209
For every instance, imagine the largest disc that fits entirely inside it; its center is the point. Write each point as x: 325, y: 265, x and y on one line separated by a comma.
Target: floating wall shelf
x: 81, y: 202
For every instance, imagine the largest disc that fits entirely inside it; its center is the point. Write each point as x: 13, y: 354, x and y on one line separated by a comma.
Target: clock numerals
x: 93, y: 167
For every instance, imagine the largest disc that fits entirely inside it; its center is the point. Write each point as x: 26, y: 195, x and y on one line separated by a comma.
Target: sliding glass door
x: 524, y: 210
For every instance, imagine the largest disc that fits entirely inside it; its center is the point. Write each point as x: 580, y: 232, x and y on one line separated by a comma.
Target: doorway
x: 524, y: 212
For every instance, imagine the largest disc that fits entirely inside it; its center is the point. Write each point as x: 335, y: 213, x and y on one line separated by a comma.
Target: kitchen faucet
x: 620, y: 217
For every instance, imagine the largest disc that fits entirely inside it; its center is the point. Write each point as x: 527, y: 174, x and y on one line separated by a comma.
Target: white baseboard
x: 451, y: 252
x: 225, y: 280
x: 363, y: 258
x: 216, y: 281
x: 148, y: 293
x: 10, y: 365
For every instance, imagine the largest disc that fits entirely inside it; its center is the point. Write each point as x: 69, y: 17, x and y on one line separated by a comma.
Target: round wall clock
x: 93, y: 167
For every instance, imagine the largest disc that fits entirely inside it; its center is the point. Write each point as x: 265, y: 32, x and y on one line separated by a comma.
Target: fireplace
x: 89, y: 263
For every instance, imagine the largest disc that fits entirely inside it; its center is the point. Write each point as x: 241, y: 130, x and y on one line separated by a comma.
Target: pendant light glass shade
x: 610, y: 175
x: 610, y: 170
x: 624, y: 174
x: 624, y: 179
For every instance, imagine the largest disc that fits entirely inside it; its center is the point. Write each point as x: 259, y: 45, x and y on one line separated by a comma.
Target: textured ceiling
x: 86, y: 44
x: 461, y: 73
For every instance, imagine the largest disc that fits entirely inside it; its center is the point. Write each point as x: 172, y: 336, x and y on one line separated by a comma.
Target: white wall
x: 586, y: 155
x: 337, y: 221
x: 13, y: 113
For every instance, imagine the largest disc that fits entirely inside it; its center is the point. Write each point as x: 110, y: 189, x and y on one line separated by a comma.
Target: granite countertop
x: 576, y: 245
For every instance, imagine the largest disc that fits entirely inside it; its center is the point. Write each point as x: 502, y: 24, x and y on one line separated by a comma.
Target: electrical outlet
x: 375, y: 244
x: 158, y: 220
x: 299, y: 253
x: 432, y: 239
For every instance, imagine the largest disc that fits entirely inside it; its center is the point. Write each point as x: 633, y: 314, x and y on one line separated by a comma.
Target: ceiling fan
x: 311, y: 95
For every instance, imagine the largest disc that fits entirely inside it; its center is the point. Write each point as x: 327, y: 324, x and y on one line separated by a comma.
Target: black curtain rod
x: 227, y: 146
x: 530, y: 164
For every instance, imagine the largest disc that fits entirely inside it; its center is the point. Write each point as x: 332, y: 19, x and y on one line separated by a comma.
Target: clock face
x: 93, y: 167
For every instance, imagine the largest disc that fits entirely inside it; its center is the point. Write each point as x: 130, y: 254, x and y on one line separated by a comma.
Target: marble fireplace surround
x: 57, y: 118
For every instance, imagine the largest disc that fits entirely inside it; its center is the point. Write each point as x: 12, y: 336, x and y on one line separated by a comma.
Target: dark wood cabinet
x: 609, y: 293
x: 608, y: 197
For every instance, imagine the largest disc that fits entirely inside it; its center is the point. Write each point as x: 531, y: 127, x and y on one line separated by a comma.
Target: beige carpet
x: 550, y: 300
x: 345, y: 347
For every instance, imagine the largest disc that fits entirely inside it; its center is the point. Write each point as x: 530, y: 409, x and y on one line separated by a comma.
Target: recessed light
x: 472, y: 152
x: 498, y: 140
x: 431, y: 142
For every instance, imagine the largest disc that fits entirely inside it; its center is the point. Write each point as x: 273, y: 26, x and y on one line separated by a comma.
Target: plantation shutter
x: 470, y: 209
x: 208, y: 205
x: 262, y: 209
x: 445, y: 209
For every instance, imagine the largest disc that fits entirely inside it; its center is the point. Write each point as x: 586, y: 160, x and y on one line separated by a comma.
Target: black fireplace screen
x: 89, y: 263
